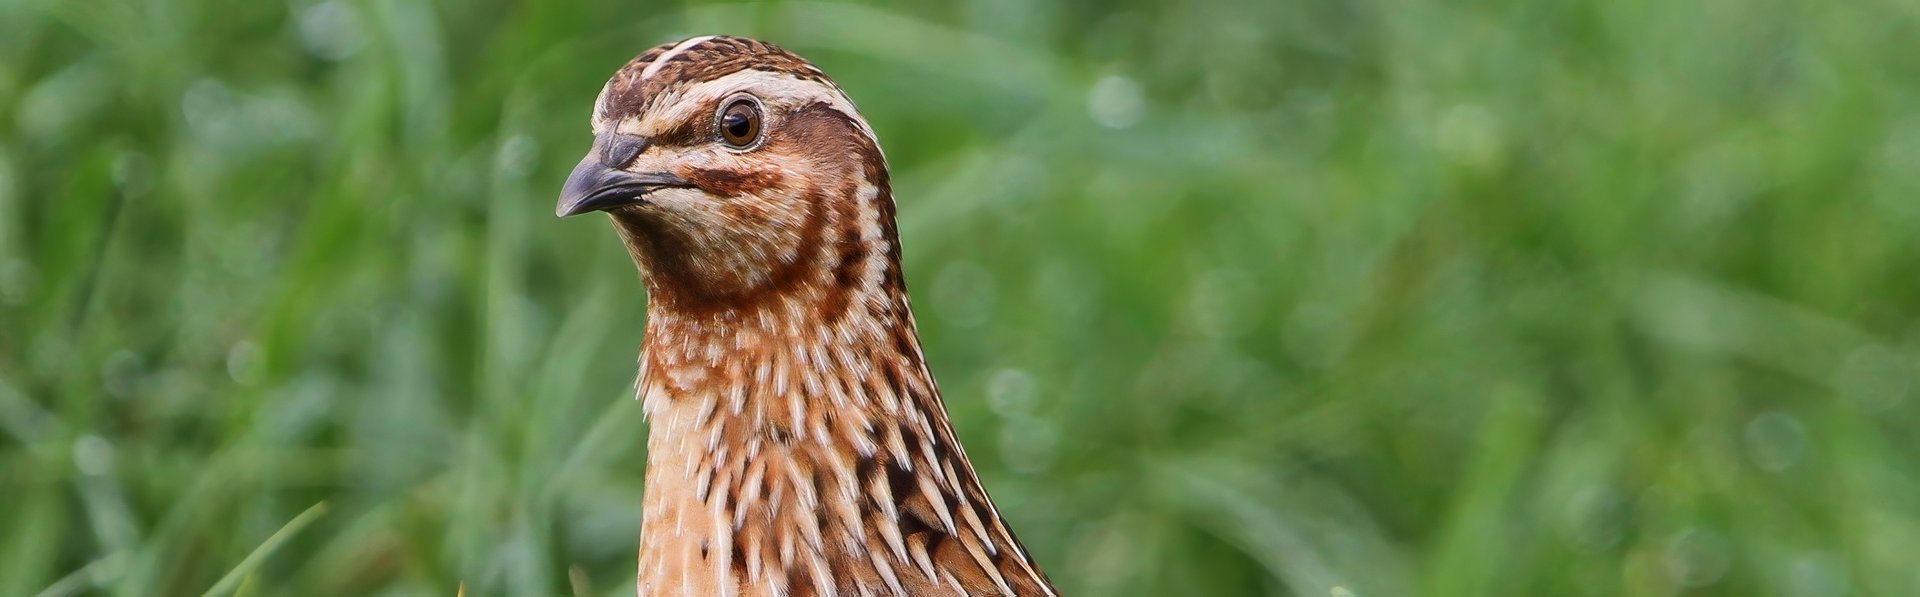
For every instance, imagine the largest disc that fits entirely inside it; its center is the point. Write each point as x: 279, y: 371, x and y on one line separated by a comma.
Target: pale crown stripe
x: 662, y: 60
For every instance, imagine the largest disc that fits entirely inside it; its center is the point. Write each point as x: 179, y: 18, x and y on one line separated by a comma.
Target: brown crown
x: 712, y: 58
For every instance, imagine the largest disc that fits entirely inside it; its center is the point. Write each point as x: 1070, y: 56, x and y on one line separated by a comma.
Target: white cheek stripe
x: 662, y: 60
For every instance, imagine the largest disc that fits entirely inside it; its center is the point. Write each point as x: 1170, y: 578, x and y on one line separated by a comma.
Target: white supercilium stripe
x: 780, y: 89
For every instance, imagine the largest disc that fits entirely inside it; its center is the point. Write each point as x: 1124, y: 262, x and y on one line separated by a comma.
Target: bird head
x: 735, y: 171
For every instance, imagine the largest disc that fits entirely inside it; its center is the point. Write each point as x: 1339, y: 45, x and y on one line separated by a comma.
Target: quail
x: 798, y: 444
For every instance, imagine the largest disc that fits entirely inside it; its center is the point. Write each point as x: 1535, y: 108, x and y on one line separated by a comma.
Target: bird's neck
x: 815, y: 447
x: 747, y: 366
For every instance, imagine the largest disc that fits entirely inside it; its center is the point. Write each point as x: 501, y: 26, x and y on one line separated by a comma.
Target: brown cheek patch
x: 819, y: 133
x: 825, y: 134
x: 828, y: 138
x: 733, y: 183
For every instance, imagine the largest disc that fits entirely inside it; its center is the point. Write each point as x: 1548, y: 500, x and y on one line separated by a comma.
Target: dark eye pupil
x: 737, y: 126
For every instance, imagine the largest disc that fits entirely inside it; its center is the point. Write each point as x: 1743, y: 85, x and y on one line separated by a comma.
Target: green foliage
x: 1228, y: 297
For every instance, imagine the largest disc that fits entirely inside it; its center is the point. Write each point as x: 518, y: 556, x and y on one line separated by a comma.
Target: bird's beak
x: 600, y: 183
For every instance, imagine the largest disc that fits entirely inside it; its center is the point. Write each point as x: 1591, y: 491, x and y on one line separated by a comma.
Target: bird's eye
x: 740, y: 123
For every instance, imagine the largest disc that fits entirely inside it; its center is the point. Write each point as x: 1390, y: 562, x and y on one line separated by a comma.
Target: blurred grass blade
x: 91, y: 576
x: 232, y: 579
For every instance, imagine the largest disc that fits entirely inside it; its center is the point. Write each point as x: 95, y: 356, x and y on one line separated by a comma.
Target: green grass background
x: 1315, y: 297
